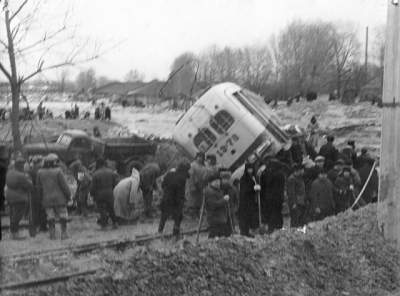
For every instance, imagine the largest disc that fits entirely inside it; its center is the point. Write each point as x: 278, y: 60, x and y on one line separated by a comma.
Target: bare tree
x: 134, y: 76
x: 62, y: 79
x: 303, y: 53
x: 86, y: 80
x: 346, y: 50
x: 21, y: 41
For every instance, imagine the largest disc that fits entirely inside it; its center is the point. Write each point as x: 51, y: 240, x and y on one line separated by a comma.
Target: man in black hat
x: 216, y: 207
x: 330, y: 152
x: 296, y: 196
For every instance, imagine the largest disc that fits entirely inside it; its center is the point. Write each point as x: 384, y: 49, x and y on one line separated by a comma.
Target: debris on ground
x: 342, y: 255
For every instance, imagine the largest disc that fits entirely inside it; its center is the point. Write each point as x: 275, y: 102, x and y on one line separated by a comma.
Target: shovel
x: 230, y: 218
x: 261, y: 228
x: 203, y: 204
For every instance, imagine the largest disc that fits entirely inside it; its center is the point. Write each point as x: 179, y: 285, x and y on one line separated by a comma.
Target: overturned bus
x: 232, y: 123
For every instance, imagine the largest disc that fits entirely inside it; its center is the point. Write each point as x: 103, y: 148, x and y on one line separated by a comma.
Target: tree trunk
x: 15, y: 90
x: 14, y: 83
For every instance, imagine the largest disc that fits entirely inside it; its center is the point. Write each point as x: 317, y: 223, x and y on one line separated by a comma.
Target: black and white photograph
x: 200, y: 147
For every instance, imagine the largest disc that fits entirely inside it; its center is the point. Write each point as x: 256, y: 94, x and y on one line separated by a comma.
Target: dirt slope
x: 344, y: 255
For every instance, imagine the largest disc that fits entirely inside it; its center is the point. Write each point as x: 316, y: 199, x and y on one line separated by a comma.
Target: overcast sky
x: 153, y: 32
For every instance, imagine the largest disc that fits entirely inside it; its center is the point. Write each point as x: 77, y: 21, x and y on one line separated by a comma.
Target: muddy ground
x: 343, y: 255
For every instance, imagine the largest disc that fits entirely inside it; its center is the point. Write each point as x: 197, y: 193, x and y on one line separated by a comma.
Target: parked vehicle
x: 232, y: 123
x: 124, y: 151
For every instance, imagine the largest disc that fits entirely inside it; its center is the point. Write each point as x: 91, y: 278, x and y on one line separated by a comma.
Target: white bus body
x: 232, y: 123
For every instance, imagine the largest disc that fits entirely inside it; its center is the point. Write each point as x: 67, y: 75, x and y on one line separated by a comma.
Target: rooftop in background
x: 118, y: 88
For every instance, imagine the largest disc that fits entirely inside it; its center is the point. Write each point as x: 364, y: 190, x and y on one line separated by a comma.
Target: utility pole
x: 366, y: 57
x: 389, y: 189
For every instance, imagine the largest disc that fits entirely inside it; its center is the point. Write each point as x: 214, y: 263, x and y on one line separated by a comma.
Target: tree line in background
x: 320, y: 57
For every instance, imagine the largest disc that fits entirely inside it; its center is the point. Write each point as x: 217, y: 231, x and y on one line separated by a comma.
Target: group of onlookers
x: 313, y: 184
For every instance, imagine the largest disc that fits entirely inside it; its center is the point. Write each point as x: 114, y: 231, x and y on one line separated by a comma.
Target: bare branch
x: 45, y: 38
x: 5, y: 72
x: 19, y: 9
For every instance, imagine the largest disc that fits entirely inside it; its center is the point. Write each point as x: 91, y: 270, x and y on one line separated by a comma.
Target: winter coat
x: 309, y: 177
x: 53, y: 187
x: 330, y: 153
x: 371, y: 191
x: 173, y: 186
x: 128, y: 197
x: 333, y: 174
x: 321, y: 196
x: 197, y: 178
x: 297, y: 153
x: 148, y: 176
x: 81, y: 174
x: 296, y: 191
x: 216, y: 206
x: 343, y: 194
x: 247, y: 197
x: 18, y: 187
x: 272, y: 197
x: 196, y: 183
x: 228, y: 189
x: 103, y: 182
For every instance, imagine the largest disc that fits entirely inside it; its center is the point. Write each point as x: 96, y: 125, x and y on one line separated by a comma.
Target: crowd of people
x: 312, y: 184
x: 38, y: 189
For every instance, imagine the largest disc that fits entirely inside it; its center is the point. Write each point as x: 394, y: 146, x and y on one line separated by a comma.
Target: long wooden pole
x: 389, y: 188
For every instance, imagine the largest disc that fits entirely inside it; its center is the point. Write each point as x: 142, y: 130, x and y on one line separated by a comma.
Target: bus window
x: 204, y: 139
x: 221, y: 122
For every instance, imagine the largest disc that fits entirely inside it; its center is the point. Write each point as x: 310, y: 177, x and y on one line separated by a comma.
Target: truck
x: 70, y: 143
x: 232, y: 123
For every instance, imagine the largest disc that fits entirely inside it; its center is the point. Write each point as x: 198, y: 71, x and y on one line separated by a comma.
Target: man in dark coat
x: 371, y: 191
x: 54, y: 190
x: 362, y: 158
x: 216, y: 208
x: 83, y: 179
x: 19, y: 188
x: 229, y: 189
x: 107, y: 113
x: 272, y: 194
x: 296, y: 193
x: 148, y: 183
x: 173, y: 186
x: 321, y: 197
x: 296, y: 150
x: 39, y: 219
x: 330, y: 153
x: 103, y: 182
x: 336, y: 170
x: 248, y: 208
x: 4, y: 159
x: 344, y: 190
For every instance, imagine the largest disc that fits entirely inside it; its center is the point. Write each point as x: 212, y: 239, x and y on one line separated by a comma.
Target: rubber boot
x: 64, y: 234
x: 52, y: 229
